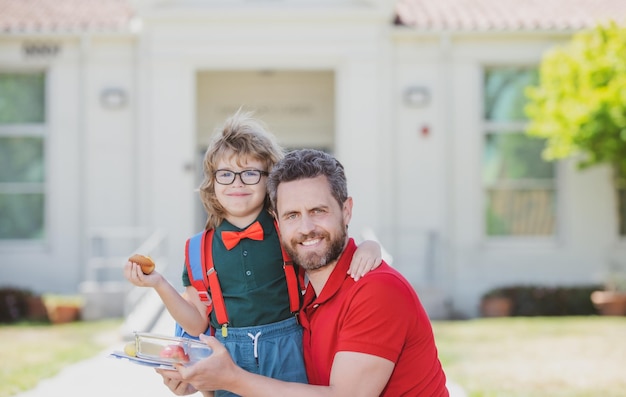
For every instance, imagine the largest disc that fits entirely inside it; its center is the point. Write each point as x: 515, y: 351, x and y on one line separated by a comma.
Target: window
x: 22, y: 156
x: 520, y: 193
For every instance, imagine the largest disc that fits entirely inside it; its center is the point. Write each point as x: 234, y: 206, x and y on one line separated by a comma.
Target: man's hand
x: 215, y: 372
x: 171, y: 379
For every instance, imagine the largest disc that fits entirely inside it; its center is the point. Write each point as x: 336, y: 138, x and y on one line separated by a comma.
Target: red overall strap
x: 290, y: 275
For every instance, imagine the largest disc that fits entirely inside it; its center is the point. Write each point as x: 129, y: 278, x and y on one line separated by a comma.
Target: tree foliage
x: 579, y: 105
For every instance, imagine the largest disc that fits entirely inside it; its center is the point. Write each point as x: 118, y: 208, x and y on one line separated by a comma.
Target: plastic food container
x: 170, y: 349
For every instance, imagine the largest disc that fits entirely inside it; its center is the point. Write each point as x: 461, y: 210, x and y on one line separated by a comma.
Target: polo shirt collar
x: 265, y: 219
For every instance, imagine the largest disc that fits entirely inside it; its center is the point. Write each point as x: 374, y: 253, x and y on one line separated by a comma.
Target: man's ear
x: 347, y: 210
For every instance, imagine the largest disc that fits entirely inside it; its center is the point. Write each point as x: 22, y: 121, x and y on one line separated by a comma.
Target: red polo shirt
x: 379, y: 315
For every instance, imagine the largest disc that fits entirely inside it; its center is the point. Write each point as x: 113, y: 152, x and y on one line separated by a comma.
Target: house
x: 106, y: 107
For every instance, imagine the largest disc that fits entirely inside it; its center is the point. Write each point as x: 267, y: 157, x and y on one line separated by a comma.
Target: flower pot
x: 63, y: 314
x: 609, y: 303
x: 496, y: 306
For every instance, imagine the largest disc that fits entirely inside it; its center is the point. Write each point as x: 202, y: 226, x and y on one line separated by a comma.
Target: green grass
x: 535, y: 356
x: 32, y: 352
x: 508, y: 357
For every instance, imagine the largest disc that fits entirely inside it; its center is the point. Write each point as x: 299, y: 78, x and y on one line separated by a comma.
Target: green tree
x: 579, y: 105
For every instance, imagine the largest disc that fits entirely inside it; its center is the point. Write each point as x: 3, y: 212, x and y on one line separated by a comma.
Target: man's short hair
x: 305, y: 164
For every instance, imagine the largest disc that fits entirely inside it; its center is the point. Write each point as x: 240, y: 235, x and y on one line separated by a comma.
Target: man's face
x: 312, y: 224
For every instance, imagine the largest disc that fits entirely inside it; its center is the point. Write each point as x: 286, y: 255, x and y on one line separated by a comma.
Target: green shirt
x: 251, y: 276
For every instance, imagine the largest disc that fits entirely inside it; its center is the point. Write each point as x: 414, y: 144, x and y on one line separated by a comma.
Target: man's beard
x: 313, y: 260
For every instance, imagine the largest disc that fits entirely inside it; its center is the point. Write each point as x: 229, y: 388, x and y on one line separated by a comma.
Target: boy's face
x: 242, y: 202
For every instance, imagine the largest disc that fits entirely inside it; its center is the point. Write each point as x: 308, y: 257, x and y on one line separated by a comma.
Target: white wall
x: 420, y: 162
x: 109, y: 134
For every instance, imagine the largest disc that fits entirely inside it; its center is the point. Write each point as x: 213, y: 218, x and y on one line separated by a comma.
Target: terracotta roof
x: 49, y: 16
x: 55, y: 16
x: 507, y: 15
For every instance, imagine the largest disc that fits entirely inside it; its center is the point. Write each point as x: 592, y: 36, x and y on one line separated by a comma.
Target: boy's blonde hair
x: 243, y: 137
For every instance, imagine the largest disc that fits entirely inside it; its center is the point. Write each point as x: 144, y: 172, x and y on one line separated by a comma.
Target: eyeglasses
x: 248, y: 177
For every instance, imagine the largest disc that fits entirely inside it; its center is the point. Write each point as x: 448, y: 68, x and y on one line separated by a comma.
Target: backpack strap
x: 194, y: 260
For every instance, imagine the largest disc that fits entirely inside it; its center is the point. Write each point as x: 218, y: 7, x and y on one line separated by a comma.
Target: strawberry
x: 175, y: 352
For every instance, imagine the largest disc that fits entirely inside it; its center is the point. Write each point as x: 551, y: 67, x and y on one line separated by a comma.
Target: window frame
x: 36, y: 130
x: 488, y: 127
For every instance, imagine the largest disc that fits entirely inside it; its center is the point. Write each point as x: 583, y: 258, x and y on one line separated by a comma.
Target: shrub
x: 18, y: 305
x: 536, y: 300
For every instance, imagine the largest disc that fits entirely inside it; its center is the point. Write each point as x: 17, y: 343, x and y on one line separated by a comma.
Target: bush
x: 532, y: 300
x: 19, y: 305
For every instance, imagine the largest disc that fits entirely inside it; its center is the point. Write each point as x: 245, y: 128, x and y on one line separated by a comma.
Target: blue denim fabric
x: 279, y: 351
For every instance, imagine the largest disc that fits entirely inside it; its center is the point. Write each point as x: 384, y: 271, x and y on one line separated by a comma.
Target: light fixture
x: 416, y: 96
x: 113, y: 98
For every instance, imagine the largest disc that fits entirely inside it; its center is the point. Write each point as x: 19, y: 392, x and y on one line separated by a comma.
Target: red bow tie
x: 254, y: 232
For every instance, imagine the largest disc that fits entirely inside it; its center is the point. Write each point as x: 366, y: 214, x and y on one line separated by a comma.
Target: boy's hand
x: 368, y: 256
x: 134, y: 274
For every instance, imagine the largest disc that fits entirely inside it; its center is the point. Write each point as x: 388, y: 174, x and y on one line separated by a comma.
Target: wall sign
x: 40, y: 49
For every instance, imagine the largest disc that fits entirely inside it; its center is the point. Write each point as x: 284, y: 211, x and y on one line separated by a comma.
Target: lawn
x: 535, y: 356
x: 31, y: 352
x: 512, y: 357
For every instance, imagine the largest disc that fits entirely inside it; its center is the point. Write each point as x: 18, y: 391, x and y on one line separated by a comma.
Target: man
x: 368, y: 338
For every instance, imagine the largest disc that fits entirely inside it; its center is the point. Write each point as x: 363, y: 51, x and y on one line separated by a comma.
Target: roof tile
x: 507, y: 15
x: 46, y: 16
